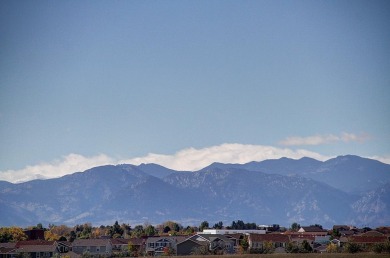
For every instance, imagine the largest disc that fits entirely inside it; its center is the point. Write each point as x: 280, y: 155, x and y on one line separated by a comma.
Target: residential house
x: 233, y: 231
x: 336, y: 242
x: 35, y: 234
x: 120, y: 244
x: 368, y: 240
x: 218, y: 243
x: 211, y: 242
x: 341, y: 228
x: 320, y: 243
x: 278, y: 241
x: 313, y: 230
x: 92, y: 246
x: 298, y: 239
x: 192, y: 245
x: 158, y: 245
x: 38, y: 251
x: 64, y: 246
x: 8, y: 250
x: 37, y: 248
x: 236, y: 238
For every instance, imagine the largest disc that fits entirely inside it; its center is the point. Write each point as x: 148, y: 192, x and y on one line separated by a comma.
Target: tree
x: 190, y: 230
x: 292, y: 248
x: 203, y: 225
x: 168, y: 251
x: 316, y: 225
x: 150, y: 230
x: 12, y: 234
x: 166, y: 229
x: 138, y: 231
x: 331, y: 248
x: 305, y: 247
x: 268, y: 247
x: 378, y: 248
x: 115, y: 231
x: 352, y: 248
x: 218, y: 225
x: 133, y: 249
x: 244, y: 243
x: 50, y: 236
x: 295, y: 227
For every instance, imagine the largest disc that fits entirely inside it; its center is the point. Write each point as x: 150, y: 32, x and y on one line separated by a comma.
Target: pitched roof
x: 212, y: 237
x: 281, y: 238
x: 36, y: 248
x: 34, y: 242
x: 8, y: 245
x: 137, y: 241
x: 120, y: 241
x: 311, y: 229
x: 367, y: 239
x: 91, y: 242
x: 372, y: 233
x: 341, y: 227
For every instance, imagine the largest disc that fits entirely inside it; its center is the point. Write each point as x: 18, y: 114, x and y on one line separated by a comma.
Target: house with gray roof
x: 156, y: 246
x: 92, y: 246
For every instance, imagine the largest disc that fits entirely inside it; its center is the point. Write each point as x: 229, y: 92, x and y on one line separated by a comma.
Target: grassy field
x: 311, y: 255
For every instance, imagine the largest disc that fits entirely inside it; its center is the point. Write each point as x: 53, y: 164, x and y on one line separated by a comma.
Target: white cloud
x: 383, y: 159
x: 194, y: 159
x: 324, y: 139
x: 69, y: 164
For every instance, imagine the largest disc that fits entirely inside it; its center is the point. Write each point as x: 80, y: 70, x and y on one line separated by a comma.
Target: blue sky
x: 98, y: 82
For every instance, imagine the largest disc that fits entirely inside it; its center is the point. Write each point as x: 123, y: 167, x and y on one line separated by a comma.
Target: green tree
x: 150, y: 230
x: 378, y: 248
x: 292, y: 248
x: 218, y: 225
x: 295, y: 227
x: 316, y: 225
x: 203, y: 225
x: 352, y: 248
x: 305, y: 247
x: 138, y: 231
x: 166, y: 229
x: 244, y: 243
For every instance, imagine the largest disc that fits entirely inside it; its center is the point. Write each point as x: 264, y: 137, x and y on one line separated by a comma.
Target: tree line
x: 117, y: 230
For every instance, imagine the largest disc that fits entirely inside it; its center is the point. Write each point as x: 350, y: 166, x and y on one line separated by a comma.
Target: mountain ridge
x: 265, y: 192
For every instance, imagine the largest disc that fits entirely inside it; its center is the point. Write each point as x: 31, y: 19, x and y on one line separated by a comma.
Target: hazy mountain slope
x: 234, y: 194
x: 156, y: 170
x: 373, y: 207
x: 224, y: 192
x: 347, y: 173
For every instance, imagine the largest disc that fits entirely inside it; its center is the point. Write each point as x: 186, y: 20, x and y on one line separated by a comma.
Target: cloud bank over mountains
x: 189, y: 159
x: 324, y: 139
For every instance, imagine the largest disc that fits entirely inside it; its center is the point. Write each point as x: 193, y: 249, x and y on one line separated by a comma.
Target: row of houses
x: 217, y: 242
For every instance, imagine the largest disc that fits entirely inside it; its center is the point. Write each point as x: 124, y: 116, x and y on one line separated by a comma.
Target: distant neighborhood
x: 172, y: 239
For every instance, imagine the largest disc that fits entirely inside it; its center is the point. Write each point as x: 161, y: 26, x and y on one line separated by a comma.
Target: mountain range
x: 343, y: 190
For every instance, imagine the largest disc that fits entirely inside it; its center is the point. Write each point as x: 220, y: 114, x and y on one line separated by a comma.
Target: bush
x: 353, y: 248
